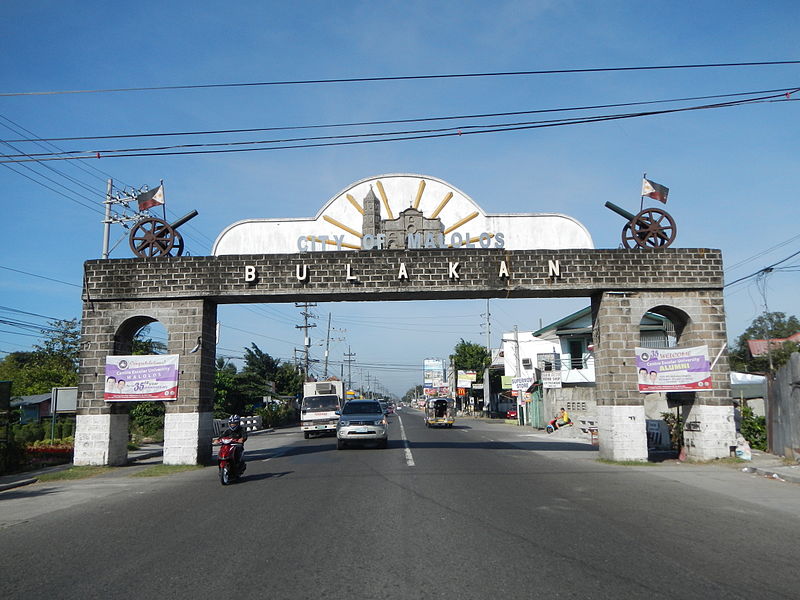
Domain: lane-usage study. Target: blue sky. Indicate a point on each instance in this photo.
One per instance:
(731, 172)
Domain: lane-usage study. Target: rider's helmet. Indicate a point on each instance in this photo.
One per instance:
(233, 421)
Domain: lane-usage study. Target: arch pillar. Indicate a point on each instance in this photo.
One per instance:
(700, 317)
(101, 434)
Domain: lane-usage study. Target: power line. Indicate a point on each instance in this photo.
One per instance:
(40, 276)
(405, 78)
(347, 140)
(764, 270)
(409, 120)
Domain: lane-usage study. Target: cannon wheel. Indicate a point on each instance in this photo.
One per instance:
(153, 237)
(651, 228)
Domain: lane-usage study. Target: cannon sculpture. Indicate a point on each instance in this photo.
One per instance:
(651, 228)
(152, 237)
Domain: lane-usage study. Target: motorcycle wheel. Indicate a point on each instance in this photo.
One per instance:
(224, 475)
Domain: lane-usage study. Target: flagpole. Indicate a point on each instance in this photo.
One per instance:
(163, 195)
(641, 198)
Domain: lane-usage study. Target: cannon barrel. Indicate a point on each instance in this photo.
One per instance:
(184, 219)
(620, 211)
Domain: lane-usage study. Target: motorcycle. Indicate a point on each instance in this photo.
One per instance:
(229, 459)
(553, 425)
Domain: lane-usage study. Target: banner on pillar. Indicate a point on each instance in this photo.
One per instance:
(152, 377)
(673, 369)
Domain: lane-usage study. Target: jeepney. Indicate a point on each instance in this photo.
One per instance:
(440, 412)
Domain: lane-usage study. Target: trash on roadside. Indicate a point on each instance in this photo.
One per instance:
(743, 449)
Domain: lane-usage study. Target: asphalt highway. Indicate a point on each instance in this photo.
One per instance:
(482, 510)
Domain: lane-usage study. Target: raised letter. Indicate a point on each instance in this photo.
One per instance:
(453, 270)
(323, 239)
(402, 273)
(301, 244)
(414, 241)
(301, 275)
(367, 242)
(456, 241)
(338, 239)
(350, 276)
(503, 269)
(499, 240)
(250, 274)
(485, 240)
(381, 240)
(554, 269)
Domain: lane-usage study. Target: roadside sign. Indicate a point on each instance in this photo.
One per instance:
(551, 379)
(521, 384)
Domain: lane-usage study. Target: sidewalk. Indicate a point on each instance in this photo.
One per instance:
(762, 463)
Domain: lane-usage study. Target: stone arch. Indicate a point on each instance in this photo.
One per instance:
(123, 339)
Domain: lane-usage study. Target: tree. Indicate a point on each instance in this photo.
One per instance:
(469, 356)
(415, 392)
(767, 326)
(53, 363)
(227, 395)
(145, 345)
(61, 338)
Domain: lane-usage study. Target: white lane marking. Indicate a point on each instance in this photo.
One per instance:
(409, 456)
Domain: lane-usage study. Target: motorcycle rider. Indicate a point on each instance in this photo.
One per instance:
(236, 431)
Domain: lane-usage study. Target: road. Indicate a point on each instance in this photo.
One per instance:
(483, 510)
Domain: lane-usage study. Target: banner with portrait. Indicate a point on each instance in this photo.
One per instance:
(146, 377)
(673, 369)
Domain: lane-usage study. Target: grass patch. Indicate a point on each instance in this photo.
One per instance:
(627, 463)
(160, 470)
(81, 472)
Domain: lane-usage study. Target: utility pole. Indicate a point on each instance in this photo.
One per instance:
(107, 218)
(487, 391)
(349, 357)
(121, 198)
(327, 345)
(305, 327)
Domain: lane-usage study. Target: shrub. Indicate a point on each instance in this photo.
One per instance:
(675, 425)
(754, 429)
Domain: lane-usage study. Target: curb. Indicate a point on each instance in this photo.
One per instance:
(776, 475)
(16, 484)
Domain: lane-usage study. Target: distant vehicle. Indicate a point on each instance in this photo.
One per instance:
(511, 413)
(362, 421)
(318, 410)
(440, 412)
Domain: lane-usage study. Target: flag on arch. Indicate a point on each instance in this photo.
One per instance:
(654, 190)
(151, 198)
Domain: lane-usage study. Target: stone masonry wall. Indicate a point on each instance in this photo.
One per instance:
(375, 274)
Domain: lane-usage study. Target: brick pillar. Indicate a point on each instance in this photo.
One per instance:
(188, 424)
(101, 434)
(699, 318)
(621, 423)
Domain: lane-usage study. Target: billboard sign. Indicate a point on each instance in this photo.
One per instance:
(551, 379)
(673, 369)
(433, 372)
(136, 378)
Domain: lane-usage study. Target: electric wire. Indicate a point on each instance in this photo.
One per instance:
(410, 120)
(354, 139)
(408, 78)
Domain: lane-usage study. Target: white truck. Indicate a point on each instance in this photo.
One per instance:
(321, 401)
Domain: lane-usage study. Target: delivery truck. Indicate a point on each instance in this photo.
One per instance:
(321, 401)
